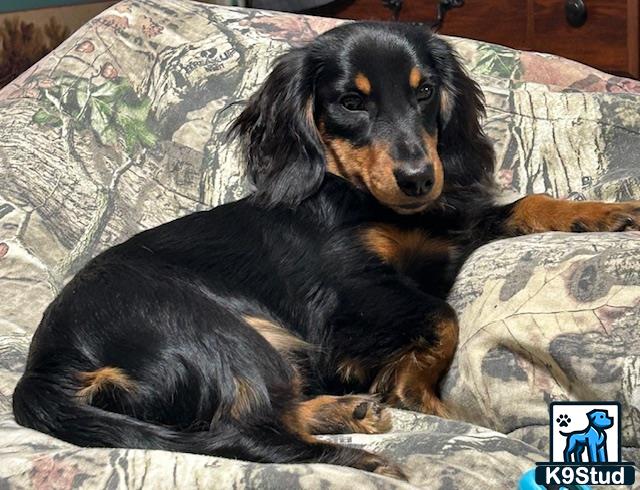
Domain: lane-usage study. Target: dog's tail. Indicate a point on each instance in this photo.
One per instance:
(47, 406)
(43, 405)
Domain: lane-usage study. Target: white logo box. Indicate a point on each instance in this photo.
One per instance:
(579, 421)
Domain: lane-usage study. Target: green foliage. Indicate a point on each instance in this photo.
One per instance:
(44, 117)
(497, 61)
(112, 110)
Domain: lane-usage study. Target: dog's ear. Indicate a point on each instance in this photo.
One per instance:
(281, 144)
(463, 146)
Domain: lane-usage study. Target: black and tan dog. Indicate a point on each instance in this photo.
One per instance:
(240, 331)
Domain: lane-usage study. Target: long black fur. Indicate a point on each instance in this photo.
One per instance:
(168, 306)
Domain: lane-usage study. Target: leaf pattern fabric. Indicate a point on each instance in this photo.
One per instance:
(121, 129)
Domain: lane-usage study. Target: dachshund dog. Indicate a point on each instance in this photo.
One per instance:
(243, 331)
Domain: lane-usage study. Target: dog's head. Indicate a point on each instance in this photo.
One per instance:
(386, 106)
(600, 419)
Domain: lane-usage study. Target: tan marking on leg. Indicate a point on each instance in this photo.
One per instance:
(280, 338)
(411, 379)
(362, 83)
(414, 77)
(539, 213)
(101, 379)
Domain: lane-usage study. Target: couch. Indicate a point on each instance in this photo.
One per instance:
(121, 129)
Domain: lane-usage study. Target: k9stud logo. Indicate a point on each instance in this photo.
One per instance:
(585, 440)
(585, 433)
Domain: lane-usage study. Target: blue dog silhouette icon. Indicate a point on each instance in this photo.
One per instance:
(593, 439)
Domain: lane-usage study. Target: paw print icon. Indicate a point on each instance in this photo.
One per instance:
(563, 420)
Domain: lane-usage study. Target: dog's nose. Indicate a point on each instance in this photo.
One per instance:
(414, 180)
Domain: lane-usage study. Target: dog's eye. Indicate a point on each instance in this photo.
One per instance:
(425, 92)
(352, 102)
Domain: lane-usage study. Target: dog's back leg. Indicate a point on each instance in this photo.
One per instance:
(174, 367)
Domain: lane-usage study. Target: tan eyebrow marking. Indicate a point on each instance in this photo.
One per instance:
(414, 77)
(363, 83)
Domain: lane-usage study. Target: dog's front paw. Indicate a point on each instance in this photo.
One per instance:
(601, 216)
